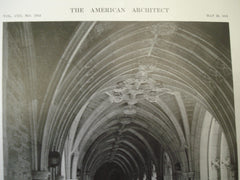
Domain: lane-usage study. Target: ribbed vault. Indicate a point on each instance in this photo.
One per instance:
(125, 95)
(181, 64)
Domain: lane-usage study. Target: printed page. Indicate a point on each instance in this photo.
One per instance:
(119, 90)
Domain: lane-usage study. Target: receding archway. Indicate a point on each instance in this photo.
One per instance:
(109, 171)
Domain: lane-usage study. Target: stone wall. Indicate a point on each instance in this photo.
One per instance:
(17, 139)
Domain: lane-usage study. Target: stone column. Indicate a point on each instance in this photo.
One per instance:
(40, 175)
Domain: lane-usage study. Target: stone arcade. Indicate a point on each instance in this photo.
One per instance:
(118, 101)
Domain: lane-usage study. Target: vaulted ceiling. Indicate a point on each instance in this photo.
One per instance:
(121, 92)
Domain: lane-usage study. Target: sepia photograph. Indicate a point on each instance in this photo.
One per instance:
(118, 100)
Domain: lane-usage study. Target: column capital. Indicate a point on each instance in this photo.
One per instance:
(40, 175)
